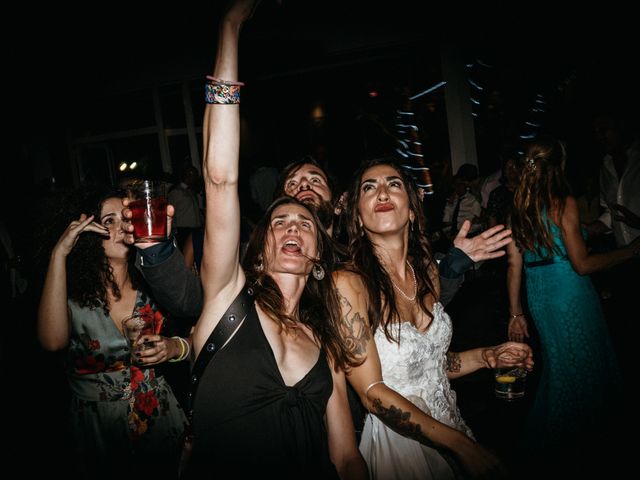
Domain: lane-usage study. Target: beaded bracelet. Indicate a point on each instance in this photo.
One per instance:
(222, 93)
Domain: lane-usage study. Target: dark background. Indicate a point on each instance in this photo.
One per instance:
(61, 59)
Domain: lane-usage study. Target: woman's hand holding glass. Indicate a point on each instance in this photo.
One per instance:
(163, 349)
(509, 354)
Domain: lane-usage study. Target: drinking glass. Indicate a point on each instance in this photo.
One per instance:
(148, 210)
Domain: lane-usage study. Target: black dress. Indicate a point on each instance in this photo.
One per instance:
(247, 421)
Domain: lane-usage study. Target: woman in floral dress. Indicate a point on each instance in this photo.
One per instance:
(124, 416)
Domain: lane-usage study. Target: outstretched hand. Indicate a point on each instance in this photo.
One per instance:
(484, 246)
(70, 236)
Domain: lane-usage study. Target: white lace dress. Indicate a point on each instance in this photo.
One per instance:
(416, 369)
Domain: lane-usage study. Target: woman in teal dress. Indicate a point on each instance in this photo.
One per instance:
(125, 418)
(580, 384)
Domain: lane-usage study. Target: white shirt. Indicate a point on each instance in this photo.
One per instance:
(624, 191)
(490, 183)
(470, 208)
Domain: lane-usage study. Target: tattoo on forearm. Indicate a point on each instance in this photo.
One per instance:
(400, 421)
(453, 363)
(356, 332)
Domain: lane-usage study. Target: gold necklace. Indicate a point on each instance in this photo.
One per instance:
(415, 285)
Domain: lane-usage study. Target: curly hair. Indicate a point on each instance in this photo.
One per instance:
(384, 313)
(319, 307)
(89, 274)
(543, 187)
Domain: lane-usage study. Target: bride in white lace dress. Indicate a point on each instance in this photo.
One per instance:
(401, 335)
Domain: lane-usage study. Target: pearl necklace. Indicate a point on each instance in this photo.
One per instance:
(415, 285)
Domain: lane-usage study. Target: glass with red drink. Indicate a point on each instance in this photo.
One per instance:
(148, 211)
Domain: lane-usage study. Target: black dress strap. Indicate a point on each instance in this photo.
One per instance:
(226, 327)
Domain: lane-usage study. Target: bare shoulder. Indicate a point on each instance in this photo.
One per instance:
(348, 280)
(352, 292)
(570, 214)
(570, 203)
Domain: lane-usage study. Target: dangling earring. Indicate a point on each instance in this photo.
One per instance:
(411, 222)
(317, 271)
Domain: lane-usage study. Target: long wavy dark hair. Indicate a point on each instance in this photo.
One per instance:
(384, 313)
(543, 188)
(319, 307)
(89, 275)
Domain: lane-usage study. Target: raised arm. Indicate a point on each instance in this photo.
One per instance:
(162, 265)
(53, 313)
(220, 266)
(221, 274)
(484, 246)
(171, 280)
(389, 406)
(465, 252)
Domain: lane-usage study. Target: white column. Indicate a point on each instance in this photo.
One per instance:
(462, 137)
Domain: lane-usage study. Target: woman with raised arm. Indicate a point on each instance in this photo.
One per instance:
(400, 334)
(124, 415)
(580, 384)
(273, 399)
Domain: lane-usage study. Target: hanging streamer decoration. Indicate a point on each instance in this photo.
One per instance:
(409, 144)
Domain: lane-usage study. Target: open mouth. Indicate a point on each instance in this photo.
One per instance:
(307, 197)
(291, 246)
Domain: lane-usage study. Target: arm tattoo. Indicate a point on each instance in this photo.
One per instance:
(356, 332)
(453, 363)
(400, 422)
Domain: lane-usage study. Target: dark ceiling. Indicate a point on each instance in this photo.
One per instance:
(64, 54)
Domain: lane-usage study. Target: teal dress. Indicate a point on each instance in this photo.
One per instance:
(579, 386)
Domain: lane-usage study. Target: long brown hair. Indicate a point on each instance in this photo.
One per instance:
(319, 307)
(367, 264)
(543, 187)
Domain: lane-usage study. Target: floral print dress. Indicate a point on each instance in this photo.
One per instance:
(118, 411)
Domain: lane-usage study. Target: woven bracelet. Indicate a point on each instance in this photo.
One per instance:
(221, 93)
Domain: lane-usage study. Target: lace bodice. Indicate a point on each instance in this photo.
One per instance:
(415, 368)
